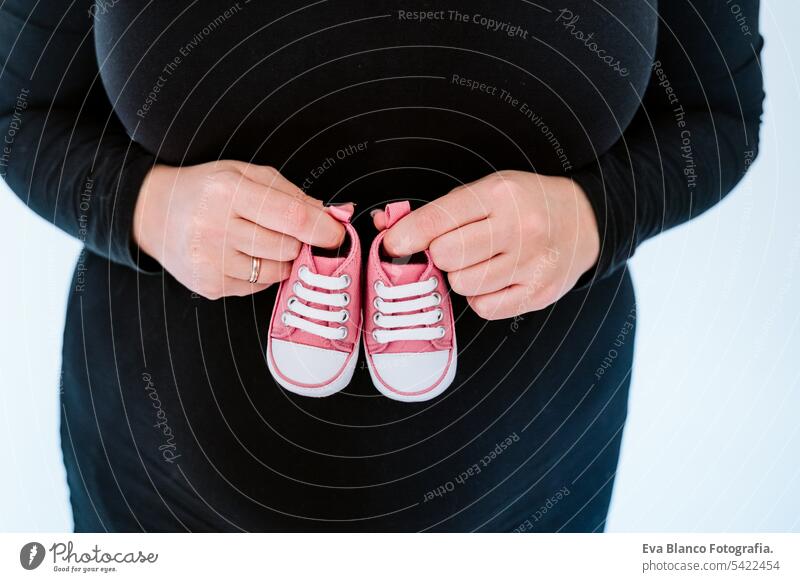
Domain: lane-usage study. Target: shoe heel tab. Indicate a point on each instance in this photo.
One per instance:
(341, 212)
(395, 211)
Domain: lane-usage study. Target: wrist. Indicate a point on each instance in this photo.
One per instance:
(148, 214)
(588, 230)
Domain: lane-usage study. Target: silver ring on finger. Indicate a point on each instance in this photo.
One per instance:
(255, 269)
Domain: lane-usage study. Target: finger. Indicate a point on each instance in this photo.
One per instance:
(515, 300)
(232, 287)
(502, 304)
(378, 219)
(240, 266)
(275, 210)
(469, 245)
(414, 232)
(487, 277)
(257, 241)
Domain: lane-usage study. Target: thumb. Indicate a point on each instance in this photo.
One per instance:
(269, 176)
(415, 232)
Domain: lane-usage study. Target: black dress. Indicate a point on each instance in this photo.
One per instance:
(170, 419)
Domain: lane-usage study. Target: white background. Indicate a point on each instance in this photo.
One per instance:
(713, 439)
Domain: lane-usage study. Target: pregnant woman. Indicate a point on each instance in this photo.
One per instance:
(180, 140)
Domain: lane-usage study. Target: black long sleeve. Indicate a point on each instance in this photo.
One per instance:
(65, 154)
(695, 134)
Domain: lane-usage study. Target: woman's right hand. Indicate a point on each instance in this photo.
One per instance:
(204, 224)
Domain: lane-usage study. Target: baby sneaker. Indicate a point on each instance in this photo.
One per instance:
(314, 334)
(409, 338)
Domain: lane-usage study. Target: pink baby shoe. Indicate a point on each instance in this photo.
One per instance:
(314, 333)
(409, 338)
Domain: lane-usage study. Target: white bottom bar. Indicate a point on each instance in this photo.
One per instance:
(402, 557)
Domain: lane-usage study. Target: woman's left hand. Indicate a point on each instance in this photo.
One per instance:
(511, 242)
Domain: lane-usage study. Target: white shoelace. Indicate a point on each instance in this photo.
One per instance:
(395, 319)
(328, 298)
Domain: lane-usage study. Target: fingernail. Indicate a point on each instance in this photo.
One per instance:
(373, 212)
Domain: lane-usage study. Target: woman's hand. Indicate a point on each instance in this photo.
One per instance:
(511, 242)
(205, 223)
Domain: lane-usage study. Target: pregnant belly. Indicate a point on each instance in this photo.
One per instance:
(377, 97)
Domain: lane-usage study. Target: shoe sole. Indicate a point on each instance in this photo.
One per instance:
(336, 385)
(430, 395)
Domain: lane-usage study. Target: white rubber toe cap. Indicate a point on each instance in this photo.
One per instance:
(415, 376)
(303, 364)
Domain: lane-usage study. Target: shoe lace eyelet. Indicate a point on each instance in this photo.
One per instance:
(284, 317)
(295, 286)
(435, 282)
(347, 280)
(438, 298)
(342, 332)
(442, 332)
(345, 315)
(378, 285)
(376, 319)
(376, 303)
(291, 301)
(439, 315)
(375, 336)
(346, 298)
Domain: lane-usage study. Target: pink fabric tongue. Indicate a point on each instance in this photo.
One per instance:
(327, 265)
(400, 274)
(395, 211)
